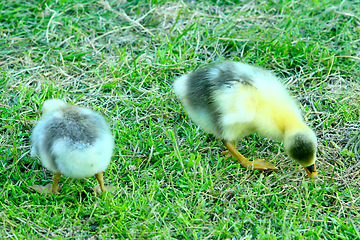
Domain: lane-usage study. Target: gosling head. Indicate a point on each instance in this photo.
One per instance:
(51, 105)
(301, 146)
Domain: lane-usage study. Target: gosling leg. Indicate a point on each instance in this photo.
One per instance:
(100, 178)
(256, 164)
(55, 183)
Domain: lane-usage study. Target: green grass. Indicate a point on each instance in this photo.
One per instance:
(171, 178)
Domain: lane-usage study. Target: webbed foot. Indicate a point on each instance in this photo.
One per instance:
(97, 189)
(262, 165)
(256, 164)
(46, 190)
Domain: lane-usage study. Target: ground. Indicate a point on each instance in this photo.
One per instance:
(120, 58)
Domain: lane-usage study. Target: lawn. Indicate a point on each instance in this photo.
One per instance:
(121, 58)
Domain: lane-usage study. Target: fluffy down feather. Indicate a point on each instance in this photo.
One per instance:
(232, 100)
(71, 140)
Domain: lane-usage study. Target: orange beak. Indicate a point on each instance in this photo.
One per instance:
(311, 171)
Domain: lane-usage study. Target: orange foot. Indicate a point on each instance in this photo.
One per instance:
(46, 190)
(262, 165)
(256, 164)
(98, 192)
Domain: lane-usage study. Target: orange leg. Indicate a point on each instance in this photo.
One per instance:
(49, 189)
(55, 183)
(100, 177)
(256, 164)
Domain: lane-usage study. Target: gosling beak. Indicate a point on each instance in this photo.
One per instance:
(311, 171)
